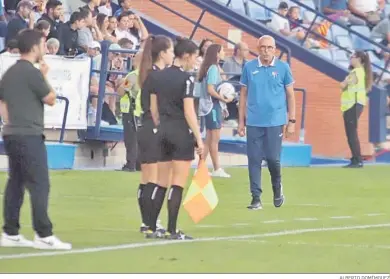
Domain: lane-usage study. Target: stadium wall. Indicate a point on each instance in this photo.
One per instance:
(324, 123)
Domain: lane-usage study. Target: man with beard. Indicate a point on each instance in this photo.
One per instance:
(22, 105)
(52, 15)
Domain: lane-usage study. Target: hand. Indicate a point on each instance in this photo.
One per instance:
(290, 129)
(241, 129)
(43, 67)
(31, 17)
(347, 12)
(227, 100)
(199, 148)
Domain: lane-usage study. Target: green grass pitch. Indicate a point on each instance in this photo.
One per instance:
(334, 220)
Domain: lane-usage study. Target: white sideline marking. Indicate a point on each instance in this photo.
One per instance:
(273, 221)
(306, 219)
(170, 242)
(341, 217)
(374, 214)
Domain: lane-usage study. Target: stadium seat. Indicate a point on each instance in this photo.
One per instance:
(340, 55)
(344, 41)
(326, 53)
(376, 62)
(338, 31)
(358, 42)
(238, 6)
(257, 12)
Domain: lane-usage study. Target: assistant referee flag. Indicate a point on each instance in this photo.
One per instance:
(201, 198)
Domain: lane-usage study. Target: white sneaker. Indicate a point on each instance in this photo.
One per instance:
(159, 225)
(220, 173)
(15, 241)
(50, 243)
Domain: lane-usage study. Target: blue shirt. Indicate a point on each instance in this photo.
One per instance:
(335, 4)
(266, 97)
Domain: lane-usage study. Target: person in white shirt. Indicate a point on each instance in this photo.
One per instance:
(105, 8)
(279, 21)
(366, 9)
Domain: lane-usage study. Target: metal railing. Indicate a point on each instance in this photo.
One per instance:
(65, 117)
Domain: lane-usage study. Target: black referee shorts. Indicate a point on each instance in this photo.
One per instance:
(148, 143)
(176, 141)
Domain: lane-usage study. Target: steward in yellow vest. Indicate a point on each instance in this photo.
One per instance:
(353, 99)
(130, 108)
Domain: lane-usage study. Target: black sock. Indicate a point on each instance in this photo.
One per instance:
(140, 201)
(158, 196)
(147, 202)
(174, 201)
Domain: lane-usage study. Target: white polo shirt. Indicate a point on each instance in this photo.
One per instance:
(366, 6)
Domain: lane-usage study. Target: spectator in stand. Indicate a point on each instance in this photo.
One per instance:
(330, 7)
(93, 6)
(19, 21)
(112, 25)
(279, 22)
(103, 23)
(39, 9)
(125, 7)
(235, 63)
(11, 47)
(126, 44)
(204, 44)
(53, 13)
(105, 8)
(368, 10)
(94, 49)
(89, 33)
(381, 34)
(44, 27)
(52, 46)
(69, 34)
(137, 30)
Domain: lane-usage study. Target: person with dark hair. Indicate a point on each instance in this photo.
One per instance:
(69, 36)
(24, 142)
(11, 47)
(103, 23)
(353, 99)
(18, 22)
(90, 32)
(172, 107)
(53, 13)
(130, 26)
(93, 7)
(157, 54)
(204, 44)
(210, 104)
(125, 6)
(43, 26)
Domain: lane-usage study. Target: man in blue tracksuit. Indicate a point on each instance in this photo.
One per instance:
(266, 81)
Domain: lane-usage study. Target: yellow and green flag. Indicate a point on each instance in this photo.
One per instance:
(201, 198)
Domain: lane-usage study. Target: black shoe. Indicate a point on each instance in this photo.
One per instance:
(179, 235)
(354, 165)
(127, 168)
(255, 204)
(143, 229)
(279, 197)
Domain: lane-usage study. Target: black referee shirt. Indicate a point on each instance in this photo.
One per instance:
(146, 90)
(172, 85)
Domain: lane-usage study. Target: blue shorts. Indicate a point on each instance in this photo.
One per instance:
(213, 120)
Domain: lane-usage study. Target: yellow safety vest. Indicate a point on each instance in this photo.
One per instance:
(355, 93)
(125, 99)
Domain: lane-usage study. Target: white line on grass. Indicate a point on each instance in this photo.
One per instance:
(341, 217)
(273, 221)
(374, 214)
(306, 219)
(171, 242)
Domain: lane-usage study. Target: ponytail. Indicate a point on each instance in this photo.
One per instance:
(154, 45)
(368, 72)
(146, 61)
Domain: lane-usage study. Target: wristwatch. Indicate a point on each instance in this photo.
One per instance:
(292, 121)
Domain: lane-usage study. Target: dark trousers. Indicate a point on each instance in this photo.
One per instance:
(351, 118)
(130, 137)
(28, 168)
(264, 142)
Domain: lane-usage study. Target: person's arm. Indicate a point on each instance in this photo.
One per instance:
(142, 28)
(82, 39)
(288, 82)
(126, 85)
(244, 81)
(190, 114)
(212, 80)
(3, 112)
(41, 86)
(351, 7)
(98, 36)
(326, 9)
(154, 109)
(31, 20)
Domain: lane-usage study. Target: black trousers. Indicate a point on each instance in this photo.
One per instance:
(28, 168)
(351, 118)
(130, 137)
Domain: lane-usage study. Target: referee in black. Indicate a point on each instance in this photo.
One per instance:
(23, 92)
(173, 101)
